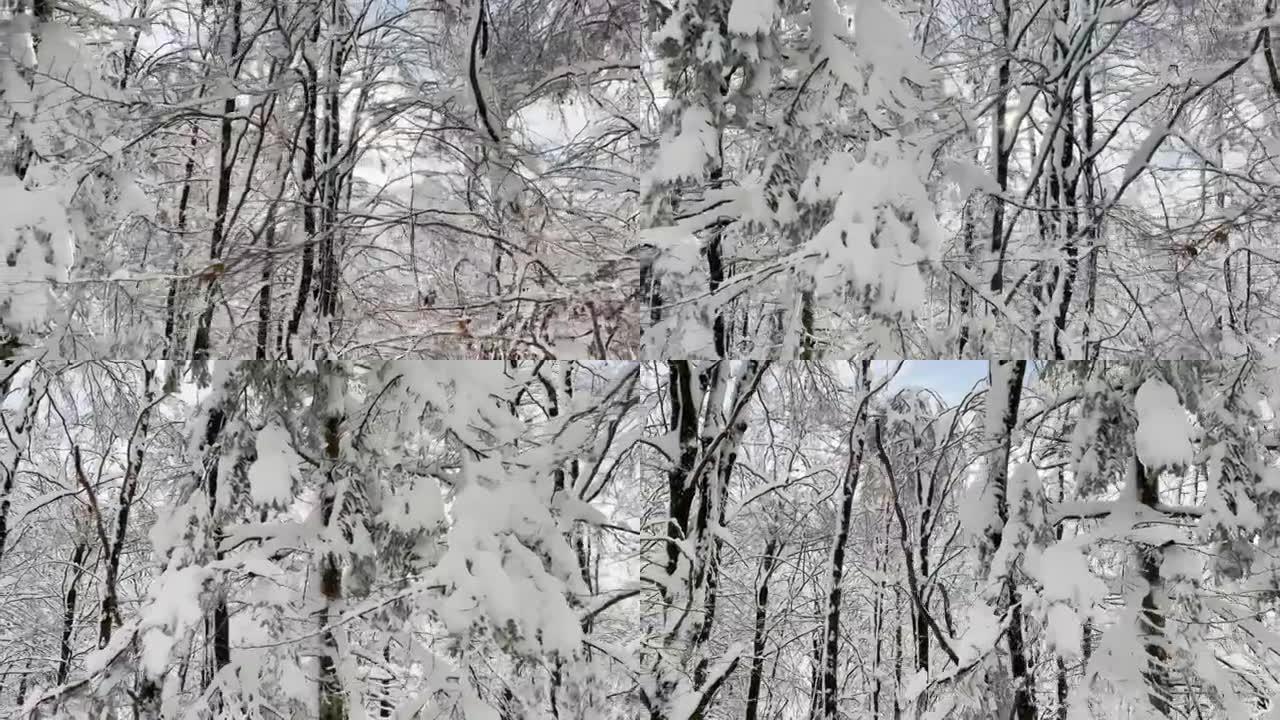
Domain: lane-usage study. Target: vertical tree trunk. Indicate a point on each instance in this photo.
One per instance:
(220, 620)
(924, 532)
(771, 548)
(172, 332)
(1087, 169)
(226, 161)
(1067, 169)
(311, 91)
(707, 435)
(9, 470)
(69, 611)
(897, 653)
(327, 295)
(878, 623)
(831, 627)
(965, 301)
(332, 702)
(1059, 665)
(128, 494)
(999, 153)
(1005, 396)
(1160, 685)
(263, 338)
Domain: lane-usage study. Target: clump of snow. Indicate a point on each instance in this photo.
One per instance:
(1182, 564)
(1024, 492)
(915, 685)
(981, 631)
(751, 17)
(1063, 573)
(1164, 433)
(1064, 629)
(1069, 587)
(978, 504)
(685, 155)
(174, 607)
(1142, 156)
(884, 45)
(419, 505)
(969, 177)
(272, 474)
(494, 574)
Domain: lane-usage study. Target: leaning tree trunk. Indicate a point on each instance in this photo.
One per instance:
(69, 610)
(831, 626)
(128, 495)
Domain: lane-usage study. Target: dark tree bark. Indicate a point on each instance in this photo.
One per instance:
(831, 627)
(226, 162)
(128, 494)
(171, 323)
(897, 653)
(69, 611)
(1160, 685)
(771, 548)
(311, 92)
(1011, 373)
(878, 623)
(1064, 180)
(999, 151)
(332, 703)
(707, 434)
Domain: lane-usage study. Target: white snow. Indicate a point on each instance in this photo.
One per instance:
(749, 17)
(174, 607)
(272, 474)
(914, 685)
(686, 154)
(1064, 630)
(981, 630)
(1164, 433)
(1143, 154)
(413, 505)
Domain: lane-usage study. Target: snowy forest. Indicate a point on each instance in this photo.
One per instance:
(679, 540)
(1065, 179)
(303, 178)
(573, 179)
(639, 360)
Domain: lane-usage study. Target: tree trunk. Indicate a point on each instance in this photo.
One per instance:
(1066, 169)
(878, 624)
(311, 91)
(69, 611)
(831, 628)
(897, 653)
(758, 639)
(999, 153)
(707, 435)
(327, 292)
(1160, 690)
(226, 161)
(332, 702)
(1006, 389)
(172, 333)
(128, 494)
